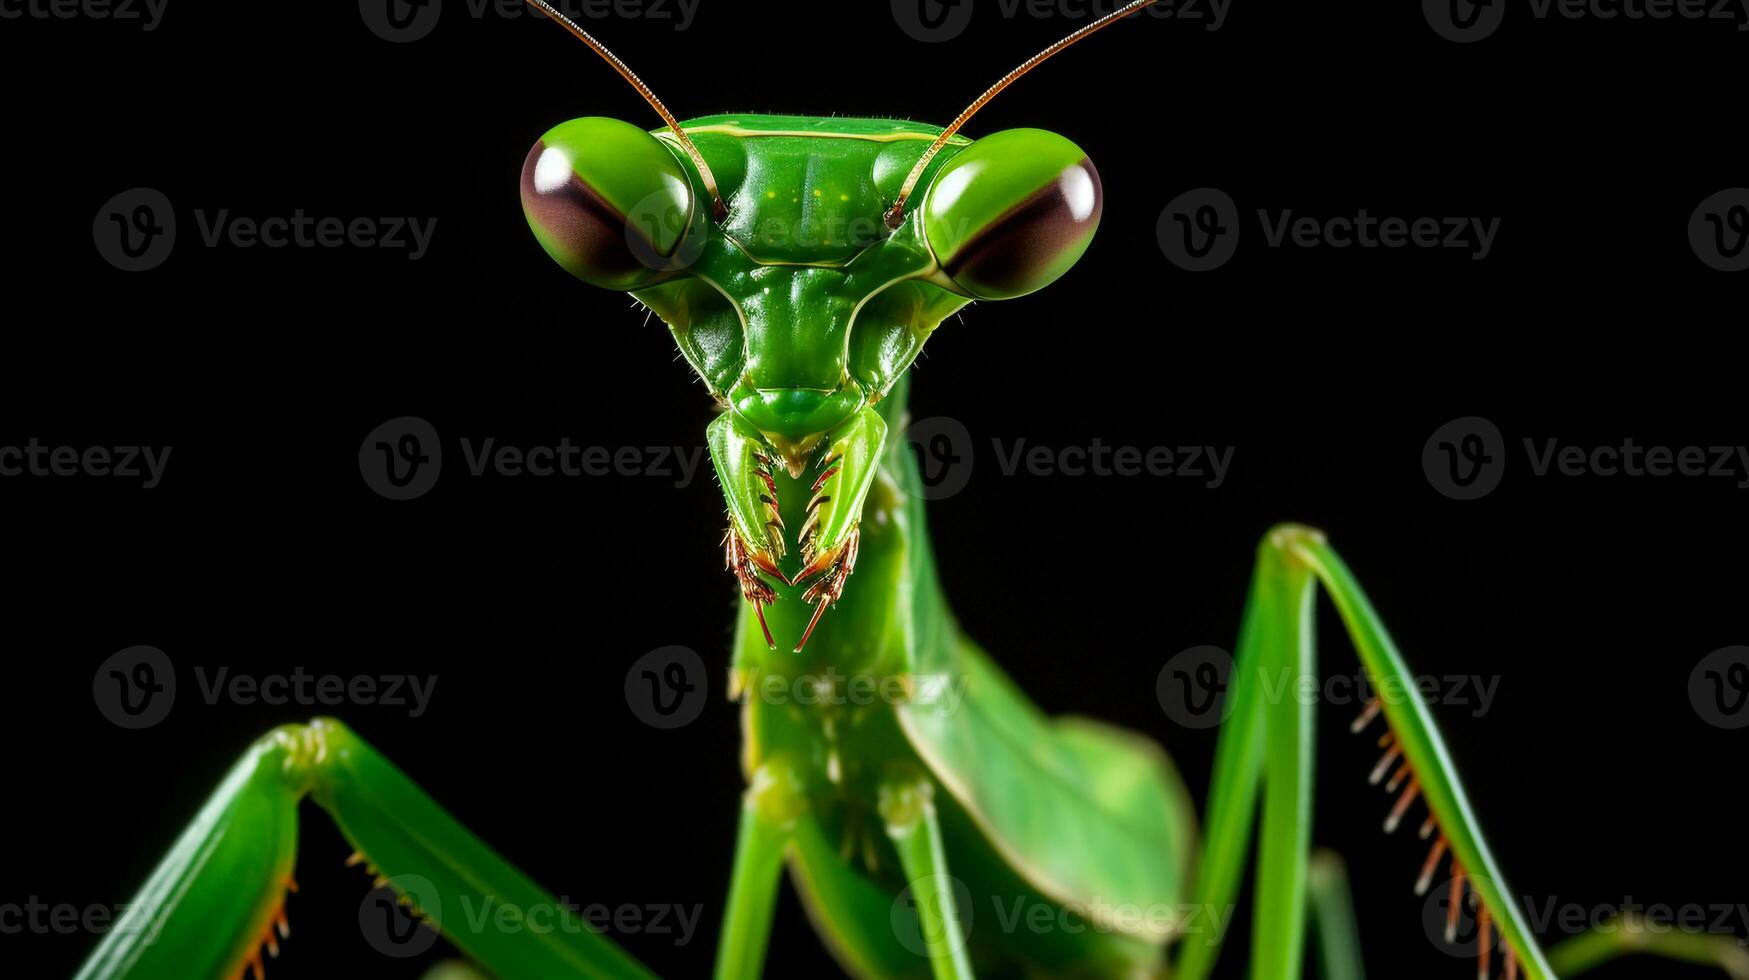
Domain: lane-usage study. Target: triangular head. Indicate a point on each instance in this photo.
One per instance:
(801, 307)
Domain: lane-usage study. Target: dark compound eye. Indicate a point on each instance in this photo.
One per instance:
(608, 202)
(1012, 212)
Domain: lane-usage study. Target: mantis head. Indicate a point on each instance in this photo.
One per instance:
(801, 264)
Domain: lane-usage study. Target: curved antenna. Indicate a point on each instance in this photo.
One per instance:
(718, 209)
(896, 213)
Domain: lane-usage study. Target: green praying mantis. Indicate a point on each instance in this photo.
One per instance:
(801, 265)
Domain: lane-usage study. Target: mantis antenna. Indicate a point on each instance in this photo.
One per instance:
(718, 209)
(897, 211)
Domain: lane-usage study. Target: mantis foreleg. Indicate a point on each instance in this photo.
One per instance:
(1267, 741)
(218, 895)
(1266, 746)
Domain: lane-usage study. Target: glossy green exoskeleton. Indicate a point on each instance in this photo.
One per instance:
(801, 309)
(800, 276)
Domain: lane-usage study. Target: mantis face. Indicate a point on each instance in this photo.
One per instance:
(808, 293)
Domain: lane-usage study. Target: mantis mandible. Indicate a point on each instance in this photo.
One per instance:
(801, 265)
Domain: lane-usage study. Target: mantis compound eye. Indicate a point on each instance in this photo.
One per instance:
(609, 202)
(1011, 213)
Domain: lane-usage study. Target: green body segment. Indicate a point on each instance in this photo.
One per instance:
(801, 305)
(1035, 812)
(213, 899)
(217, 896)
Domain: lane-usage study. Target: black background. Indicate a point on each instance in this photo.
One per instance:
(1590, 599)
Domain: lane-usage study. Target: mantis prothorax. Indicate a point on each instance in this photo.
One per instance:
(801, 265)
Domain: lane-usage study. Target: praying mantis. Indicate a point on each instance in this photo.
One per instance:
(801, 265)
